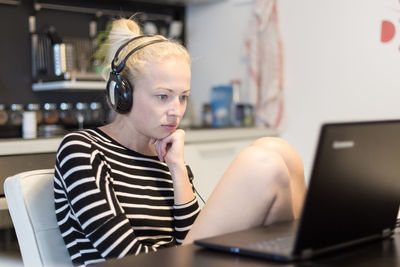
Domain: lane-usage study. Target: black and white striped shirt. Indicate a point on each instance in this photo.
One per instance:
(111, 201)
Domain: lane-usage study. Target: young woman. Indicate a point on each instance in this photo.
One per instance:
(124, 188)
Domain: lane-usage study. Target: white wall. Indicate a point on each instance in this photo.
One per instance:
(215, 32)
(336, 68)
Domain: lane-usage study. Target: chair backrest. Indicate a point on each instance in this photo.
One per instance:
(30, 200)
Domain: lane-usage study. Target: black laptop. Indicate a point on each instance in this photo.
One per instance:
(353, 196)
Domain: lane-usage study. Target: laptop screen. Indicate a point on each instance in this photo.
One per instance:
(355, 184)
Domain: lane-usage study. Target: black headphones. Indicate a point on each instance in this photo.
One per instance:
(119, 90)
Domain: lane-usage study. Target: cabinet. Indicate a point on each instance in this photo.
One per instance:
(208, 162)
(210, 152)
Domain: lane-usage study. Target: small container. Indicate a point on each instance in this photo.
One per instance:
(96, 113)
(3, 115)
(29, 124)
(36, 108)
(50, 114)
(15, 118)
(248, 115)
(238, 114)
(82, 114)
(66, 114)
(207, 117)
(221, 105)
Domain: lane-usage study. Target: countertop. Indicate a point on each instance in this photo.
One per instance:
(45, 145)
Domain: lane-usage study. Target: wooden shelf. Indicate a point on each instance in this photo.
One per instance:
(69, 85)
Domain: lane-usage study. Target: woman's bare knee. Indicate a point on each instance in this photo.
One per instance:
(270, 167)
(290, 155)
(294, 164)
(256, 166)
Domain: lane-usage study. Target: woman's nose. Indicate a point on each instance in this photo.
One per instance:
(176, 108)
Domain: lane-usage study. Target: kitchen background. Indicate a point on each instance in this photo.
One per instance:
(336, 67)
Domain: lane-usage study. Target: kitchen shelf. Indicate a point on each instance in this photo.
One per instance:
(10, 2)
(69, 85)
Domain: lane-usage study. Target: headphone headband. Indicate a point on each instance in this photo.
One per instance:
(121, 65)
(119, 90)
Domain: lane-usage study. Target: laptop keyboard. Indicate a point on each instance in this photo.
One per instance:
(281, 244)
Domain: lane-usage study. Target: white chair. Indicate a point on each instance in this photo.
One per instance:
(30, 202)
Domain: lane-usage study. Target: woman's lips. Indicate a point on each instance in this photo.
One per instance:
(169, 127)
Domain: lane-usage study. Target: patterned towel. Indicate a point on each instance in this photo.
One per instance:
(265, 64)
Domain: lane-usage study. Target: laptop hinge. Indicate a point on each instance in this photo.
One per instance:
(306, 253)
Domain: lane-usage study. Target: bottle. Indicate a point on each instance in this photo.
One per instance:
(29, 124)
(207, 116)
(36, 108)
(248, 116)
(237, 107)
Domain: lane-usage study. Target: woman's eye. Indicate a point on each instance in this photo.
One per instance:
(162, 97)
(184, 97)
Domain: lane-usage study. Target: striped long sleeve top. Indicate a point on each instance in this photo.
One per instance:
(111, 201)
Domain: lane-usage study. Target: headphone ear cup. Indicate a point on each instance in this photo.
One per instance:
(119, 93)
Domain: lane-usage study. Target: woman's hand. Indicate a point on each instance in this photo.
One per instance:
(170, 148)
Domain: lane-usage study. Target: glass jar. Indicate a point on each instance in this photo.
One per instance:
(66, 114)
(96, 113)
(3, 115)
(15, 118)
(82, 114)
(207, 115)
(50, 114)
(248, 115)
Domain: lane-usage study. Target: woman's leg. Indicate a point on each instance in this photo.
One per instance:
(294, 164)
(264, 184)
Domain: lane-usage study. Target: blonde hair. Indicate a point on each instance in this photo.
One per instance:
(122, 31)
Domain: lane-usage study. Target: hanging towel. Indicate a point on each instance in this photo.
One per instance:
(265, 64)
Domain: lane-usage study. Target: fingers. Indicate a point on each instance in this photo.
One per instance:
(159, 150)
(170, 148)
(162, 147)
(158, 145)
(163, 151)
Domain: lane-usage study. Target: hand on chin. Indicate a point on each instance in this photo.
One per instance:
(170, 147)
